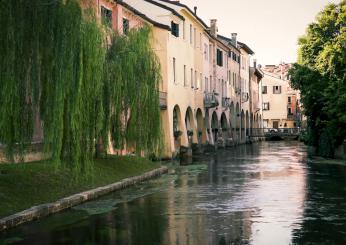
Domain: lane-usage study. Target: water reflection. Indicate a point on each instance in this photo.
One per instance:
(257, 194)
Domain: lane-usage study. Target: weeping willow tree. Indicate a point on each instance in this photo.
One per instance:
(132, 76)
(54, 63)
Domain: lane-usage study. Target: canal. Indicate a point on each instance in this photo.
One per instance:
(264, 193)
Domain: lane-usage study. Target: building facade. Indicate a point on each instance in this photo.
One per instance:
(281, 103)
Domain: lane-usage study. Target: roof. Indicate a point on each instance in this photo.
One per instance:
(228, 40)
(257, 72)
(177, 3)
(143, 16)
(174, 12)
(246, 48)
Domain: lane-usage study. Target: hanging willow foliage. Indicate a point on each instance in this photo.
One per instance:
(54, 62)
(132, 76)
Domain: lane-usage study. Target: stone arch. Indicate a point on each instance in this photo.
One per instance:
(242, 126)
(214, 126)
(247, 123)
(178, 128)
(201, 130)
(237, 123)
(190, 126)
(224, 123)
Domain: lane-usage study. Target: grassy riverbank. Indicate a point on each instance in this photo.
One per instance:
(30, 184)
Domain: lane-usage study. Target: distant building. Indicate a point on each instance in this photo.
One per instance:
(280, 102)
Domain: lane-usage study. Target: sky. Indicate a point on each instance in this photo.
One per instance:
(271, 28)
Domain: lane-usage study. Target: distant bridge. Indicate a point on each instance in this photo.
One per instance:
(275, 133)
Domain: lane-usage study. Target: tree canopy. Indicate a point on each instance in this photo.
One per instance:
(320, 75)
(55, 62)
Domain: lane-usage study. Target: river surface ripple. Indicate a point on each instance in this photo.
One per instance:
(265, 193)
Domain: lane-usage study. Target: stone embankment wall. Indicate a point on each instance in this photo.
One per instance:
(44, 210)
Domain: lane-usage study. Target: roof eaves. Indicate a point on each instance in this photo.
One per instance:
(167, 8)
(246, 48)
(188, 9)
(227, 39)
(143, 16)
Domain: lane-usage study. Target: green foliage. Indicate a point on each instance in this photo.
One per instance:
(54, 62)
(25, 185)
(320, 75)
(132, 76)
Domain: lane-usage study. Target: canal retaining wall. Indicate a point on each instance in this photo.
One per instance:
(44, 210)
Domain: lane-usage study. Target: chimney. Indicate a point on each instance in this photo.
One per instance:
(234, 39)
(195, 9)
(213, 27)
(255, 63)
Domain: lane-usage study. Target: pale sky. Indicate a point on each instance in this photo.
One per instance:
(269, 27)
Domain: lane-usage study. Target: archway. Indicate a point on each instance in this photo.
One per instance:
(242, 126)
(214, 126)
(237, 123)
(189, 125)
(247, 123)
(201, 131)
(177, 127)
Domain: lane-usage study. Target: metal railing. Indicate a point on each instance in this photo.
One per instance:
(210, 100)
(226, 102)
(269, 132)
(291, 116)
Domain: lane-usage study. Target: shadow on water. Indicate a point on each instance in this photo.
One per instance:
(262, 193)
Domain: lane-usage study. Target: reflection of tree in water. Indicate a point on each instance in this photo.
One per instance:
(325, 208)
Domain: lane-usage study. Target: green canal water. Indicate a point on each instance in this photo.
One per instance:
(264, 193)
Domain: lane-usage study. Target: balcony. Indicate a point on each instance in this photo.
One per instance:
(291, 117)
(226, 102)
(163, 100)
(244, 97)
(237, 91)
(210, 100)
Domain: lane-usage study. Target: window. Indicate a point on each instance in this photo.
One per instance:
(206, 51)
(276, 89)
(289, 100)
(191, 78)
(196, 80)
(289, 111)
(126, 26)
(264, 90)
(175, 29)
(174, 73)
(211, 84)
(194, 37)
(200, 84)
(210, 52)
(266, 106)
(190, 34)
(219, 57)
(106, 16)
(185, 82)
(206, 84)
(200, 41)
(184, 30)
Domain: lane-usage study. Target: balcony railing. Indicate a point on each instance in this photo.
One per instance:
(163, 100)
(244, 96)
(226, 102)
(211, 100)
(291, 116)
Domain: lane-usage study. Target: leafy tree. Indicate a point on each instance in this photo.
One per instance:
(54, 63)
(320, 75)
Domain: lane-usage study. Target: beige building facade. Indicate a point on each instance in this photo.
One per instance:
(281, 103)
